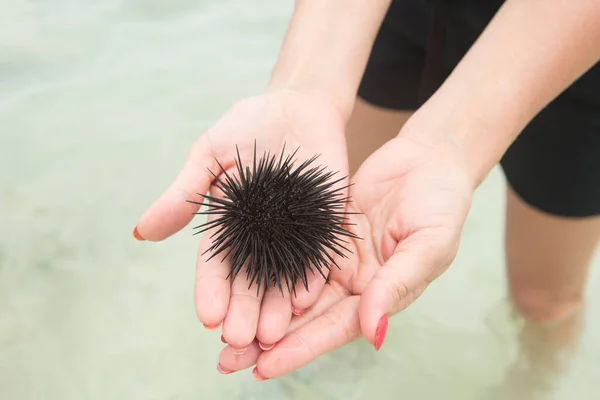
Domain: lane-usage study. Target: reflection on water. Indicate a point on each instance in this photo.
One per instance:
(543, 355)
(99, 102)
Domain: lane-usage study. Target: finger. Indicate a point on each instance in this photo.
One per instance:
(330, 296)
(336, 327)
(303, 299)
(275, 316)
(212, 289)
(172, 211)
(241, 321)
(230, 361)
(403, 277)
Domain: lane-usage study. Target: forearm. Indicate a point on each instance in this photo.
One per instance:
(326, 48)
(530, 52)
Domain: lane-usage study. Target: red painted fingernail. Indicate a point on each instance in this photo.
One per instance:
(237, 352)
(265, 347)
(297, 311)
(222, 370)
(212, 328)
(380, 332)
(223, 339)
(257, 375)
(136, 234)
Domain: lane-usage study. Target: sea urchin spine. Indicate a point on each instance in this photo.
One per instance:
(277, 220)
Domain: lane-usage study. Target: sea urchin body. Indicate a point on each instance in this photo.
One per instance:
(278, 221)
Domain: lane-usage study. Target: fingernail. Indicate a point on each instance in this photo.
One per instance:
(212, 327)
(136, 234)
(237, 352)
(297, 311)
(380, 332)
(223, 339)
(266, 347)
(257, 375)
(222, 370)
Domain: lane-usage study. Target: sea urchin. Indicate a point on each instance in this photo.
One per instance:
(277, 220)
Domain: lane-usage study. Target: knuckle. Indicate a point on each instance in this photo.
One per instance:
(396, 292)
(338, 321)
(400, 294)
(245, 297)
(305, 345)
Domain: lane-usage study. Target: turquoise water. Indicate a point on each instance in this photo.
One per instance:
(99, 102)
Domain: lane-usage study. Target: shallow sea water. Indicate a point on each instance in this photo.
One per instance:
(99, 102)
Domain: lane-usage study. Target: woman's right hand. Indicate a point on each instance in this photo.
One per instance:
(272, 119)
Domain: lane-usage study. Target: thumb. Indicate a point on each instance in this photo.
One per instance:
(172, 210)
(398, 283)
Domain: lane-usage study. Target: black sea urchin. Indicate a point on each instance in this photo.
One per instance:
(277, 220)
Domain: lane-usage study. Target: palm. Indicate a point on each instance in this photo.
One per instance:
(398, 202)
(271, 121)
(274, 120)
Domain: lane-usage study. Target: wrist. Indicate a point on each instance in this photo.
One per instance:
(340, 99)
(470, 143)
(514, 69)
(325, 49)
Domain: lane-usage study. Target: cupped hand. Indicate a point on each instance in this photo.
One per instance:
(414, 200)
(271, 121)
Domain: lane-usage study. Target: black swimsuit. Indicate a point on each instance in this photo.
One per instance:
(554, 165)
